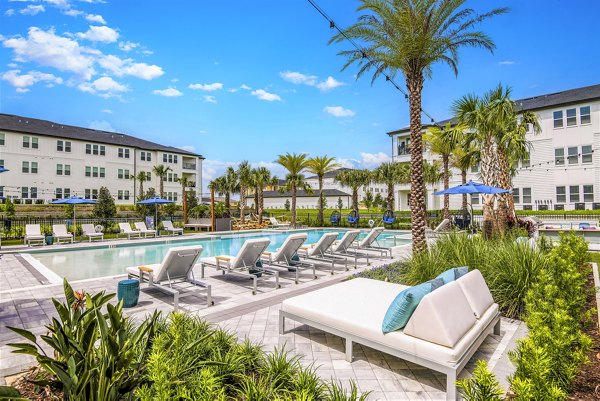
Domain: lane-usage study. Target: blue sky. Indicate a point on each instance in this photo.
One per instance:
(237, 80)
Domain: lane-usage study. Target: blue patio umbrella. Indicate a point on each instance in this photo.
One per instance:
(2, 169)
(73, 200)
(472, 188)
(156, 200)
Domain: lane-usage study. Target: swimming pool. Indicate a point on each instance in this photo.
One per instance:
(78, 264)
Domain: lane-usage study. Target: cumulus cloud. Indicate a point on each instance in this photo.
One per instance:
(10, 12)
(366, 161)
(507, 62)
(298, 78)
(22, 81)
(95, 18)
(189, 148)
(50, 50)
(128, 46)
(245, 87)
(121, 67)
(210, 99)
(32, 10)
(103, 34)
(329, 83)
(264, 95)
(107, 111)
(101, 125)
(105, 87)
(169, 92)
(338, 111)
(207, 87)
(72, 12)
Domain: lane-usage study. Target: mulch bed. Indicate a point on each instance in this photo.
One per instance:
(33, 392)
(587, 385)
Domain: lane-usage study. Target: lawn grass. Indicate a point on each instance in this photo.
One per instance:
(594, 257)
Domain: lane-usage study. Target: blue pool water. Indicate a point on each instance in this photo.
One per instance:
(78, 264)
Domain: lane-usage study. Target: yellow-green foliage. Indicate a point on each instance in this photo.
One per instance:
(482, 386)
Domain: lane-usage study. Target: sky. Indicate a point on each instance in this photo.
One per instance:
(241, 80)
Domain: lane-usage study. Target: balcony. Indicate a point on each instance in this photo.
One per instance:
(189, 166)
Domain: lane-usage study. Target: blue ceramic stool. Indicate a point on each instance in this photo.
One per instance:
(129, 292)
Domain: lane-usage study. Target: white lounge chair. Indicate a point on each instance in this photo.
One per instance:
(168, 227)
(33, 233)
(88, 230)
(244, 263)
(276, 224)
(126, 229)
(347, 247)
(371, 238)
(59, 232)
(440, 229)
(321, 251)
(283, 256)
(142, 228)
(176, 268)
(444, 332)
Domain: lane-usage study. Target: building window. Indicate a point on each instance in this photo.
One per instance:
(58, 193)
(24, 192)
(34, 167)
(123, 174)
(30, 142)
(63, 146)
(63, 169)
(586, 154)
(573, 155)
(91, 194)
(2, 139)
(559, 157)
(91, 149)
(102, 172)
(164, 157)
(59, 169)
(585, 116)
(33, 192)
(571, 117)
(175, 159)
(574, 193)
(516, 195)
(88, 171)
(120, 194)
(526, 162)
(588, 193)
(474, 199)
(561, 195)
(25, 167)
(126, 194)
(67, 169)
(26, 141)
(146, 156)
(558, 119)
(1, 163)
(2, 190)
(148, 176)
(526, 195)
(124, 153)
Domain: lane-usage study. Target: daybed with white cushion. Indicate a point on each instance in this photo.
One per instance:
(446, 329)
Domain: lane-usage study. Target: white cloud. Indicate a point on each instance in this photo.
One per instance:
(105, 87)
(207, 87)
(21, 82)
(367, 160)
(245, 87)
(72, 12)
(95, 18)
(32, 10)
(100, 34)
(189, 148)
(210, 99)
(329, 83)
(107, 111)
(203, 132)
(128, 46)
(507, 62)
(50, 50)
(264, 95)
(298, 78)
(338, 111)
(146, 52)
(101, 125)
(169, 92)
(121, 67)
(175, 80)
(10, 12)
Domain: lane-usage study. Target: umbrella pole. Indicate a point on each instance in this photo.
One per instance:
(74, 225)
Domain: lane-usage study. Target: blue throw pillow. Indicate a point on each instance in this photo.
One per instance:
(405, 303)
(453, 274)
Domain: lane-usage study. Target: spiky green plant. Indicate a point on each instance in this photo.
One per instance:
(483, 386)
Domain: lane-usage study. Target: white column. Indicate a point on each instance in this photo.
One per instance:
(199, 178)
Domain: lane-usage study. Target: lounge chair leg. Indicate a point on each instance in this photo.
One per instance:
(254, 285)
(209, 300)
(497, 328)
(451, 387)
(281, 323)
(175, 302)
(349, 350)
(201, 270)
(297, 273)
(277, 285)
(314, 273)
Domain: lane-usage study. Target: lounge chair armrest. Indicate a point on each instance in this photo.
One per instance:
(267, 253)
(223, 258)
(145, 269)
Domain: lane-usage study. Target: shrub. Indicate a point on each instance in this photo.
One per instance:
(482, 386)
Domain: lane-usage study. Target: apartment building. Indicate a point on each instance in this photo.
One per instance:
(49, 161)
(563, 168)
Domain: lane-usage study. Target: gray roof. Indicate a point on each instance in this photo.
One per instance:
(302, 194)
(9, 122)
(330, 174)
(567, 97)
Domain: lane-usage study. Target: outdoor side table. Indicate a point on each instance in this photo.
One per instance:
(129, 292)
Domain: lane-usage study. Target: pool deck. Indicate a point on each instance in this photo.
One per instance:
(25, 301)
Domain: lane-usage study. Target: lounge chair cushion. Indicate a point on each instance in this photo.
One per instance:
(443, 317)
(476, 291)
(453, 274)
(405, 303)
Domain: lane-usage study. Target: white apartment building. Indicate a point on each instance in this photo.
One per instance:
(563, 170)
(49, 161)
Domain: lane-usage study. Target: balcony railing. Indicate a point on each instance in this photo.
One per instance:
(189, 166)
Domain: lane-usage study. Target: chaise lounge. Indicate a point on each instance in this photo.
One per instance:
(286, 256)
(445, 330)
(33, 233)
(59, 232)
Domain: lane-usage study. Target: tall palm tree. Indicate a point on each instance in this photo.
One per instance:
(354, 179)
(244, 175)
(161, 172)
(295, 164)
(319, 166)
(411, 36)
(185, 183)
(464, 157)
(230, 186)
(141, 177)
(390, 174)
(444, 141)
(261, 178)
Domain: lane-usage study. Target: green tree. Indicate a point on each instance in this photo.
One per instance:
(141, 177)
(185, 183)
(161, 173)
(411, 37)
(244, 175)
(340, 204)
(354, 179)
(464, 157)
(321, 165)
(368, 200)
(286, 205)
(379, 202)
(261, 178)
(390, 174)
(105, 208)
(231, 187)
(295, 164)
(145, 210)
(9, 208)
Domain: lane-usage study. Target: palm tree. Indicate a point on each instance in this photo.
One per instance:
(354, 179)
(244, 175)
(390, 174)
(140, 177)
(185, 183)
(444, 141)
(161, 172)
(321, 165)
(411, 36)
(464, 157)
(295, 164)
(261, 178)
(230, 186)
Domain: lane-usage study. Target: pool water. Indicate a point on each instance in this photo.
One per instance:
(78, 264)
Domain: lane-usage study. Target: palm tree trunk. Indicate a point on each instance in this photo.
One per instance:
(463, 176)
(256, 200)
(293, 205)
(185, 219)
(414, 82)
(242, 203)
(488, 175)
(260, 205)
(320, 200)
(141, 188)
(504, 182)
(445, 162)
(390, 196)
(227, 205)
(355, 199)
(161, 187)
